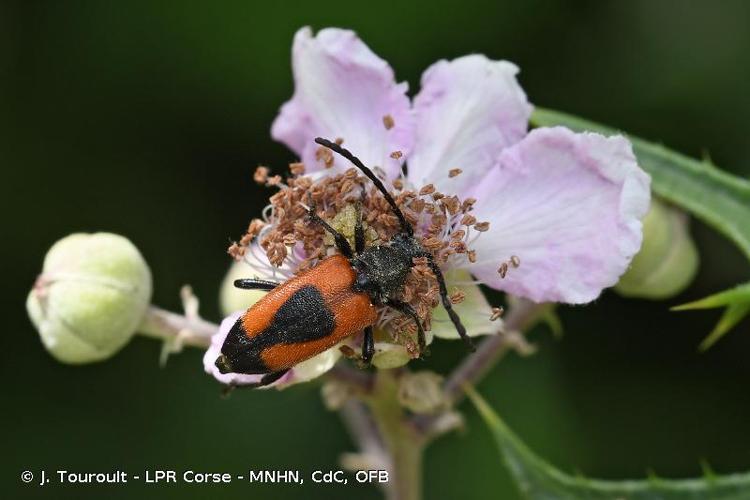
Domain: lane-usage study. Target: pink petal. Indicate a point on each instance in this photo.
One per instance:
(570, 207)
(467, 112)
(342, 89)
(214, 350)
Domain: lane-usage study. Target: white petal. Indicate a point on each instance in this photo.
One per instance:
(310, 369)
(214, 350)
(570, 207)
(342, 89)
(254, 264)
(474, 311)
(467, 112)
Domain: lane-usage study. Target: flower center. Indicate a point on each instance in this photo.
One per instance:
(286, 244)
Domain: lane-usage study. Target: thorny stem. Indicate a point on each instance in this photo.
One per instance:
(386, 436)
(520, 317)
(404, 444)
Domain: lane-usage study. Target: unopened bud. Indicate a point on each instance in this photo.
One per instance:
(389, 356)
(422, 392)
(668, 259)
(91, 296)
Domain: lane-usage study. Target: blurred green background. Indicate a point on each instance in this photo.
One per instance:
(147, 119)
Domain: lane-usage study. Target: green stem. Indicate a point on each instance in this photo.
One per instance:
(165, 325)
(403, 443)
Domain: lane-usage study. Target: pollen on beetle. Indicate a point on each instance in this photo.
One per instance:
(285, 242)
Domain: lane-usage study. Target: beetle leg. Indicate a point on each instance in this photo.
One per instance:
(255, 284)
(368, 346)
(341, 242)
(447, 303)
(407, 309)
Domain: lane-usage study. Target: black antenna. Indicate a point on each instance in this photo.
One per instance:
(405, 226)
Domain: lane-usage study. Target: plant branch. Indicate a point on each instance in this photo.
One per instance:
(162, 324)
(521, 316)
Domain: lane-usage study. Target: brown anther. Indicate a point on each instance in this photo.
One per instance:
(339, 141)
(398, 184)
(432, 243)
(472, 256)
(289, 240)
(458, 246)
(428, 189)
(397, 155)
(468, 220)
(297, 168)
(419, 261)
(457, 296)
(437, 195)
(454, 172)
(468, 204)
(253, 229)
(325, 155)
(236, 251)
(388, 122)
(261, 174)
(451, 204)
(496, 313)
(303, 183)
(273, 181)
(482, 226)
(503, 270)
(515, 261)
(439, 219)
(458, 234)
(417, 205)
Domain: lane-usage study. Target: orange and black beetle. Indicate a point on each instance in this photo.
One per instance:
(318, 308)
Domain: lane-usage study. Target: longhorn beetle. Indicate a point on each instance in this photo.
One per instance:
(337, 298)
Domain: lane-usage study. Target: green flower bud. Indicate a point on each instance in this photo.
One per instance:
(388, 356)
(91, 296)
(668, 259)
(422, 392)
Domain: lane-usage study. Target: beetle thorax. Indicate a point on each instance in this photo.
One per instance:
(382, 270)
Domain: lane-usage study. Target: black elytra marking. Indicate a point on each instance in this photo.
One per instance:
(302, 318)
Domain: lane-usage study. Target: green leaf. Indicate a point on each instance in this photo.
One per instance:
(737, 302)
(716, 197)
(538, 480)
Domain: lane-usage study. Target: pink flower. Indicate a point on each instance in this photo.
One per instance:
(568, 205)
